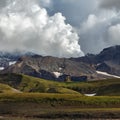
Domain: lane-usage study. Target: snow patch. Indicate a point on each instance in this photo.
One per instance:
(105, 73)
(12, 63)
(2, 68)
(90, 95)
(57, 74)
(60, 68)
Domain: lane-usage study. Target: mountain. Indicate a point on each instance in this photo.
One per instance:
(52, 68)
(110, 54)
(107, 60)
(106, 64)
(9, 58)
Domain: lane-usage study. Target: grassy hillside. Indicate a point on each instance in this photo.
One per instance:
(26, 83)
(101, 87)
(7, 89)
(57, 100)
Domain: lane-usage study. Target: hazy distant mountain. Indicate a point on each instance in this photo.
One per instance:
(7, 58)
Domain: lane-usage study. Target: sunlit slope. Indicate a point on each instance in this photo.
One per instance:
(7, 89)
(26, 83)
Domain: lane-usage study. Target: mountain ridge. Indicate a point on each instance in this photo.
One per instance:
(63, 69)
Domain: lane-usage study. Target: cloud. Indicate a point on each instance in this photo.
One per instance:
(2, 3)
(59, 27)
(92, 19)
(45, 3)
(75, 11)
(114, 34)
(110, 4)
(94, 31)
(26, 26)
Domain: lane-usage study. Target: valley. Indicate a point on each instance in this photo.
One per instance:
(59, 60)
(62, 106)
(60, 88)
(57, 100)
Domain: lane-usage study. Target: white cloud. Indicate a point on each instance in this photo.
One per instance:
(89, 23)
(91, 20)
(95, 21)
(75, 10)
(94, 31)
(114, 34)
(26, 26)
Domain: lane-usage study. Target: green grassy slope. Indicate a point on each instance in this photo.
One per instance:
(7, 89)
(26, 83)
(101, 87)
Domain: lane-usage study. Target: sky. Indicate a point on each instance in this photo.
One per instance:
(61, 28)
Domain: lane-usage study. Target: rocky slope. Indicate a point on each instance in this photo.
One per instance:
(69, 69)
(52, 68)
(109, 60)
(7, 59)
(106, 61)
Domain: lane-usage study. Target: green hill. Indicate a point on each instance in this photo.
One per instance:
(7, 89)
(26, 83)
(101, 87)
